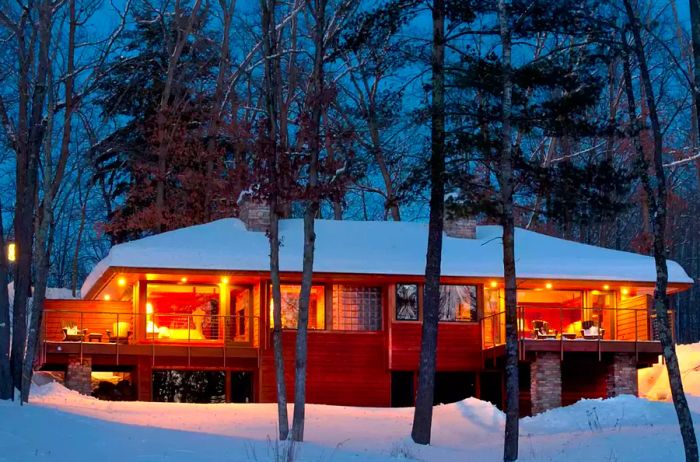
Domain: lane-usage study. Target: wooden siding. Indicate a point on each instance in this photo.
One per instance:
(93, 315)
(632, 321)
(343, 369)
(459, 346)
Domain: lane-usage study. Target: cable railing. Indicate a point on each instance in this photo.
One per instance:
(126, 328)
(630, 324)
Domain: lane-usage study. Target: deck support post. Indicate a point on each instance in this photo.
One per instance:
(79, 375)
(621, 376)
(545, 382)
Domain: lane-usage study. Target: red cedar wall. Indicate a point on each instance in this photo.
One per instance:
(343, 368)
(459, 346)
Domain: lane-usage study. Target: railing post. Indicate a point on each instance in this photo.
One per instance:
(82, 337)
(224, 339)
(561, 331)
(116, 336)
(636, 335)
(189, 353)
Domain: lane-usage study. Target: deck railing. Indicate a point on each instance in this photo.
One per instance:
(150, 328)
(636, 324)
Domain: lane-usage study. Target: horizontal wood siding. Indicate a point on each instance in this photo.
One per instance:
(459, 346)
(93, 315)
(632, 320)
(343, 369)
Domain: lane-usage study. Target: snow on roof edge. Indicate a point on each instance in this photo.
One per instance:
(361, 247)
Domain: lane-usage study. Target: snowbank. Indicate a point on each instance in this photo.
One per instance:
(62, 425)
(653, 381)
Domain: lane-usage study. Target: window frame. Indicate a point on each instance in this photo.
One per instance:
(330, 307)
(419, 302)
(322, 299)
(420, 287)
(478, 296)
(224, 308)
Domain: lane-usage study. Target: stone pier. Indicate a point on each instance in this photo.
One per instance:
(621, 376)
(545, 382)
(79, 375)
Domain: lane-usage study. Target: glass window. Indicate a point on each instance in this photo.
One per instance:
(290, 307)
(357, 308)
(458, 303)
(182, 312)
(407, 302)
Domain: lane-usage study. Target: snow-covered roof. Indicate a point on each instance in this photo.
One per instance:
(378, 247)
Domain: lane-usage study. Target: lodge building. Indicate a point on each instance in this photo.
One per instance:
(198, 299)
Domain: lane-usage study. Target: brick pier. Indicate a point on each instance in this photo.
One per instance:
(79, 375)
(622, 376)
(545, 382)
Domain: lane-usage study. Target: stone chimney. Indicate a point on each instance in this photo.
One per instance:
(464, 228)
(254, 213)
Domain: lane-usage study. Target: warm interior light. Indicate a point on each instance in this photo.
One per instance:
(224, 280)
(149, 308)
(625, 291)
(107, 297)
(12, 252)
(121, 282)
(183, 279)
(548, 285)
(595, 292)
(606, 287)
(494, 284)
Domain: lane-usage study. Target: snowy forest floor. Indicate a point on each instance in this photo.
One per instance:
(61, 425)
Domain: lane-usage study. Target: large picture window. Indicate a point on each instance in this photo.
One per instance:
(290, 307)
(183, 312)
(407, 302)
(458, 303)
(357, 308)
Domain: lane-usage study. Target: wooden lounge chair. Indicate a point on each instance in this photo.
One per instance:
(120, 332)
(71, 332)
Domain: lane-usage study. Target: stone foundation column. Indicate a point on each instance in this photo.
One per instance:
(622, 376)
(79, 375)
(545, 382)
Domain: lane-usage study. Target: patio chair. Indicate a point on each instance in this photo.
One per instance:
(120, 333)
(541, 330)
(71, 332)
(590, 331)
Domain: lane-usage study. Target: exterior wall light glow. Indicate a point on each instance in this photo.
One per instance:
(183, 279)
(548, 285)
(606, 287)
(107, 297)
(121, 282)
(224, 280)
(494, 284)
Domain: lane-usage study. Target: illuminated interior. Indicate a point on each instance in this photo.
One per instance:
(183, 312)
(571, 313)
(290, 307)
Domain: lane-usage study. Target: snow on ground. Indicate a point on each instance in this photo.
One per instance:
(653, 381)
(62, 425)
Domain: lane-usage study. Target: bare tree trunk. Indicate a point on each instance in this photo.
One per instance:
(423, 415)
(505, 182)
(78, 240)
(316, 101)
(267, 8)
(5, 371)
(655, 187)
(164, 105)
(52, 179)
